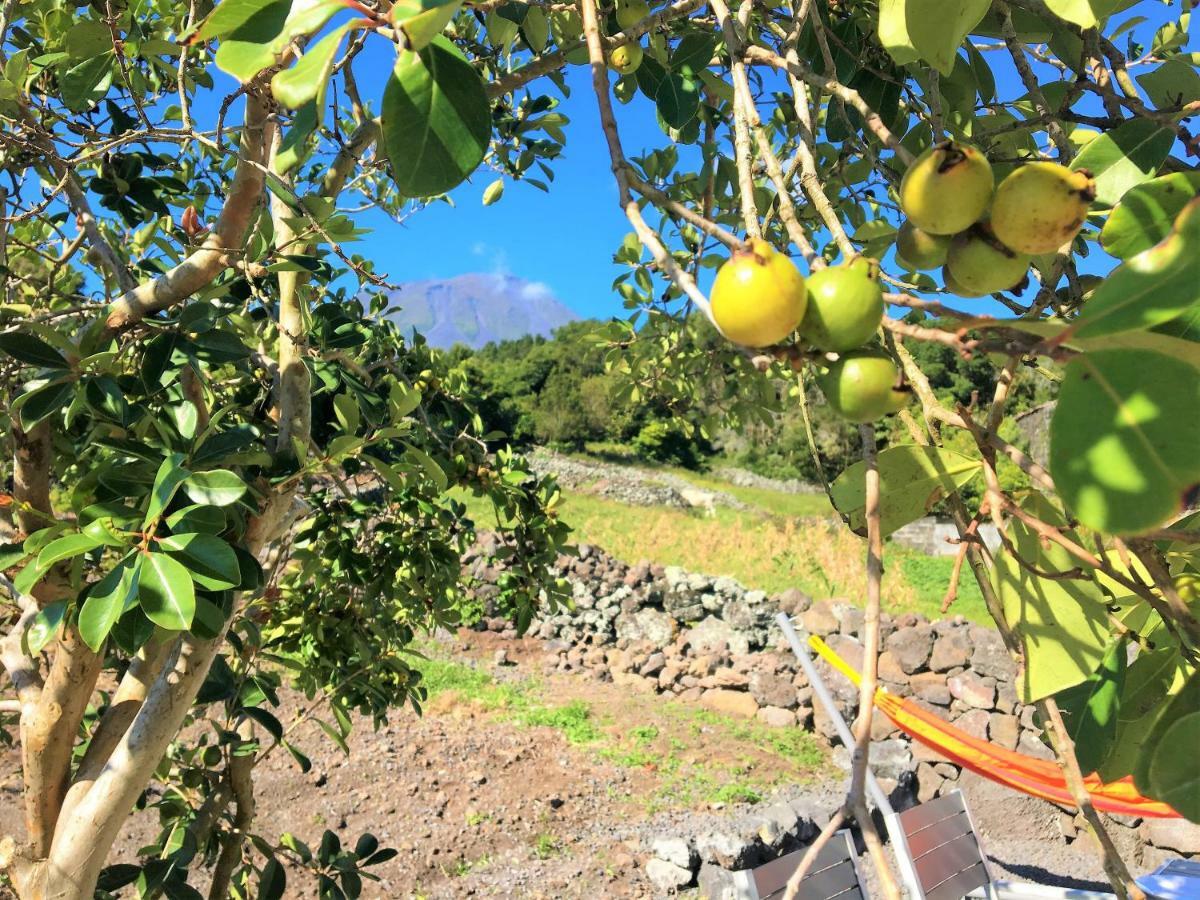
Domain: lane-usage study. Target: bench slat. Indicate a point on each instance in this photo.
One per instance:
(929, 839)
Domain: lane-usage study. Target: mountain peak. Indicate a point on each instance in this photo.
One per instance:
(477, 308)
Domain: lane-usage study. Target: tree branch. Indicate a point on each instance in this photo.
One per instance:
(227, 237)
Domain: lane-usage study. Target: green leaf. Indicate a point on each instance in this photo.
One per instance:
(345, 409)
(928, 29)
(1173, 83)
(436, 119)
(694, 53)
(423, 20)
(678, 99)
(44, 627)
(217, 487)
(65, 548)
(170, 476)
(31, 350)
(1144, 696)
(435, 472)
(272, 883)
(265, 719)
(108, 600)
(209, 621)
(207, 519)
(88, 38)
(1090, 710)
(1174, 776)
(1123, 438)
(1062, 623)
(1085, 13)
(1125, 157)
(294, 146)
(166, 592)
(304, 762)
(254, 33)
(212, 562)
(1146, 213)
(39, 404)
(306, 80)
(1153, 287)
(85, 84)
(912, 480)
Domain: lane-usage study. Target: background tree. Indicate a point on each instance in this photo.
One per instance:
(215, 450)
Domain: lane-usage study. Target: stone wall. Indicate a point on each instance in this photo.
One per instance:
(709, 640)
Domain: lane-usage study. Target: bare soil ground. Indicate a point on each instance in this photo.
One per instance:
(481, 801)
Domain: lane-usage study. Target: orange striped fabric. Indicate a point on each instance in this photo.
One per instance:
(1036, 777)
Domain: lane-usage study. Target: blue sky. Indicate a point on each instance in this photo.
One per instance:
(565, 239)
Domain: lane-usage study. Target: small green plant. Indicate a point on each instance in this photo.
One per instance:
(547, 846)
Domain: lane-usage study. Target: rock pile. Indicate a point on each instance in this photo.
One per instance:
(709, 640)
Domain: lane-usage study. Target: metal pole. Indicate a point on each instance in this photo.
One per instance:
(821, 692)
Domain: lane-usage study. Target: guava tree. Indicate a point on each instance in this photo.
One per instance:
(228, 471)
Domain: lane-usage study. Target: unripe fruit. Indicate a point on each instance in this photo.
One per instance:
(630, 12)
(954, 287)
(982, 265)
(1041, 206)
(626, 58)
(947, 188)
(845, 307)
(758, 297)
(919, 249)
(863, 385)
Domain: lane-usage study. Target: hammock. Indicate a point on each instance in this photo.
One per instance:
(1036, 777)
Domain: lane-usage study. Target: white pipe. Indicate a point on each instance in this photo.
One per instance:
(821, 692)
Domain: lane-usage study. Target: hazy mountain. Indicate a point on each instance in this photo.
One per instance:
(476, 309)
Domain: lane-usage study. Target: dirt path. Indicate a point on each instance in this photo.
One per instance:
(481, 800)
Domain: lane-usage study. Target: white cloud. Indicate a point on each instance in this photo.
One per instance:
(536, 290)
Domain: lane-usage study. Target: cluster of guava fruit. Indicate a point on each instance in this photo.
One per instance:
(985, 235)
(759, 298)
(627, 58)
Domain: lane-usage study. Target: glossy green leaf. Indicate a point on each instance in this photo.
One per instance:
(678, 99)
(165, 592)
(1146, 213)
(306, 80)
(1085, 13)
(65, 548)
(1062, 623)
(209, 621)
(1125, 157)
(39, 404)
(927, 29)
(206, 519)
(253, 33)
(1174, 775)
(108, 600)
(171, 474)
(694, 53)
(211, 561)
(217, 487)
(1144, 695)
(912, 480)
(31, 350)
(272, 883)
(1173, 83)
(44, 627)
(84, 85)
(1153, 287)
(1091, 709)
(436, 119)
(1123, 438)
(429, 465)
(423, 20)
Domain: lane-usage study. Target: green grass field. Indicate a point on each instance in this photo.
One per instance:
(785, 540)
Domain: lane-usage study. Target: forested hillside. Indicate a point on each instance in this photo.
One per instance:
(563, 392)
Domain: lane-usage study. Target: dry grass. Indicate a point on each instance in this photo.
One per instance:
(771, 553)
